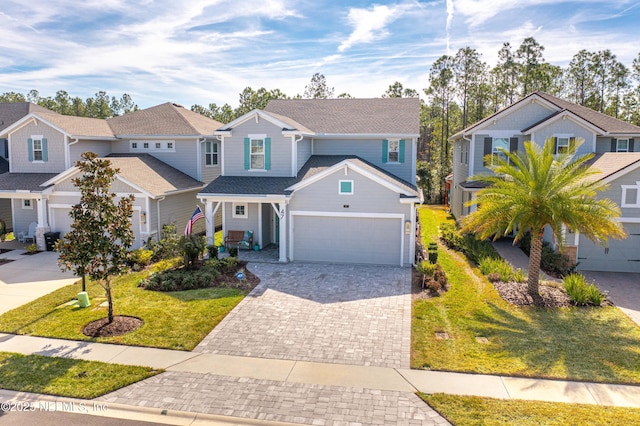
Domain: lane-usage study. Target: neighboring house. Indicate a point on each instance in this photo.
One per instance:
(537, 117)
(326, 180)
(165, 154)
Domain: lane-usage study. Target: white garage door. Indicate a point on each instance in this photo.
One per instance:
(61, 220)
(618, 256)
(347, 240)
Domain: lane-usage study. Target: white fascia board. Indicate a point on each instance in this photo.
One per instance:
(297, 133)
(252, 114)
(366, 135)
(222, 133)
(162, 137)
(349, 164)
(137, 187)
(567, 115)
(242, 198)
(182, 191)
(61, 176)
(27, 119)
(627, 219)
(623, 135)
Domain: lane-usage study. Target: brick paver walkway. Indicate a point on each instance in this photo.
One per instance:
(277, 401)
(348, 314)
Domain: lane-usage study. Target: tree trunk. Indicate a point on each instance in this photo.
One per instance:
(107, 289)
(535, 256)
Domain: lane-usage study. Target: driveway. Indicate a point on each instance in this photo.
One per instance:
(623, 288)
(28, 277)
(347, 314)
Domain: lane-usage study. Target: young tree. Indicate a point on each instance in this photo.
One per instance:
(318, 88)
(537, 189)
(101, 232)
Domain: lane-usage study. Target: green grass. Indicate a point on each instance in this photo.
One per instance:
(177, 320)
(66, 377)
(473, 410)
(589, 344)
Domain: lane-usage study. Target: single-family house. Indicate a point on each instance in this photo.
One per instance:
(165, 154)
(537, 117)
(326, 180)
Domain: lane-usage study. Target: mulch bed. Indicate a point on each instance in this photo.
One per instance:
(4, 250)
(121, 325)
(3, 261)
(31, 253)
(229, 280)
(417, 292)
(552, 297)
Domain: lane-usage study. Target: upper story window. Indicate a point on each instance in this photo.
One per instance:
(493, 147)
(622, 145)
(152, 146)
(345, 187)
(37, 148)
(257, 152)
(393, 151)
(631, 196)
(497, 147)
(563, 143)
(210, 153)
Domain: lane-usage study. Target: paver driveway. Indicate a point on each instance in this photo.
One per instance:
(349, 314)
(623, 289)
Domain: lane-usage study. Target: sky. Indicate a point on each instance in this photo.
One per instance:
(207, 51)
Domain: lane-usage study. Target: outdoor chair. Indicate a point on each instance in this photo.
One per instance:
(30, 235)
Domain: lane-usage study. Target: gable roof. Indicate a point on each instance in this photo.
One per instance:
(163, 119)
(285, 123)
(32, 182)
(10, 112)
(251, 185)
(611, 163)
(78, 126)
(352, 116)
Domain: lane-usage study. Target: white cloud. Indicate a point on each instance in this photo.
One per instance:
(370, 24)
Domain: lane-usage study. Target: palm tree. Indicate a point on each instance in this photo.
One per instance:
(535, 189)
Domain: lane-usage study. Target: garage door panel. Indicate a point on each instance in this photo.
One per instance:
(347, 240)
(618, 256)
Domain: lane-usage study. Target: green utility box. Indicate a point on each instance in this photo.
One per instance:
(83, 299)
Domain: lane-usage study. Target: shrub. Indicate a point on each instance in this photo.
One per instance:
(179, 279)
(494, 277)
(426, 268)
(519, 276)
(168, 246)
(477, 250)
(433, 252)
(580, 292)
(192, 247)
(141, 257)
(212, 250)
(31, 248)
(450, 235)
(502, 268)
(233, 252)
(552, 262)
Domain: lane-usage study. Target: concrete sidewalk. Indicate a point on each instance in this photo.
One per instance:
(316, 373)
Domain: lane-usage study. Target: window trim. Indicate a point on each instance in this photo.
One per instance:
(626, 188)
(340, 191)
(396, 151)
(494, 152)
(35, 138)
(213, 154)
(257, 138)
(557, 138)
(235, 215)
(27, 207)
(618, 144)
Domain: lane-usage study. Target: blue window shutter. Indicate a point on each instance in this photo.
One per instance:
(45, 156)
(385, 150)
(401, 151)
(247, 153)
(267, 153)
(30, 148)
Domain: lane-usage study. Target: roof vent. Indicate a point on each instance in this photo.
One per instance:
(177, 105)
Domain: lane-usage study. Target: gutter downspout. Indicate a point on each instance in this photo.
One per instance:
(69, 151)
(158, 225)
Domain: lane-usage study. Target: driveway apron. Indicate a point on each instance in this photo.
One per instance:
(347, 314)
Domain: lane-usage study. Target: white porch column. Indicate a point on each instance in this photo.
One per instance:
(283, 232)
(43, 224)
(209, 226)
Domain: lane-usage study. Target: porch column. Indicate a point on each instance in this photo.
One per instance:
(209, 226)
(283, 232)
(43, 224)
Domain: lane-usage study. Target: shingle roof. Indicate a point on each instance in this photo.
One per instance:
(607, 123)
(10, 112)
(79, 126)
(612, 162)
(12, 182)
(352, 116)
(154, 176)
(163, 119)
(249, 185)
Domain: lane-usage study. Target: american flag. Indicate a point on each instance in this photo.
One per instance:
(197, 214)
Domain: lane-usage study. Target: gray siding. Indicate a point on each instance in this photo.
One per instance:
(23, 217)
(209, 173)
(370, 150)
(603, 144)
(567, 127)
(19, 151)
(177, 209)
(238, 224)
(460, 174)
(184, 158)
(102, 148)
(234, 150)
(304, 152)
(614, 193)
(520, 119)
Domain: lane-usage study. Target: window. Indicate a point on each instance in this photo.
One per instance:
(394, 151)
(152, 145)
(158, 145)
(257, 154)
(345, 187)
(622, 145)
(146, 145)
(26, 204)
(631, 196)
(169, 145)
(562, 145)
(240, 210)
(497, 145)
(210, 154)
(134, 145)
(37, 150)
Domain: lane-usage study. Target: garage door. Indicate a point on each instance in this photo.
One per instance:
(347, 240)
(618, 256)
(61, 220)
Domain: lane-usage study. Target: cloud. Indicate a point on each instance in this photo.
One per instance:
(370, 24)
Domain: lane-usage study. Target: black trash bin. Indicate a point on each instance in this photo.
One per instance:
(50, 239)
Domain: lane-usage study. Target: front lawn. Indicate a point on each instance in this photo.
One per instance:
(589, 344)
(176, 320)
(66, 377)
(473, 410)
